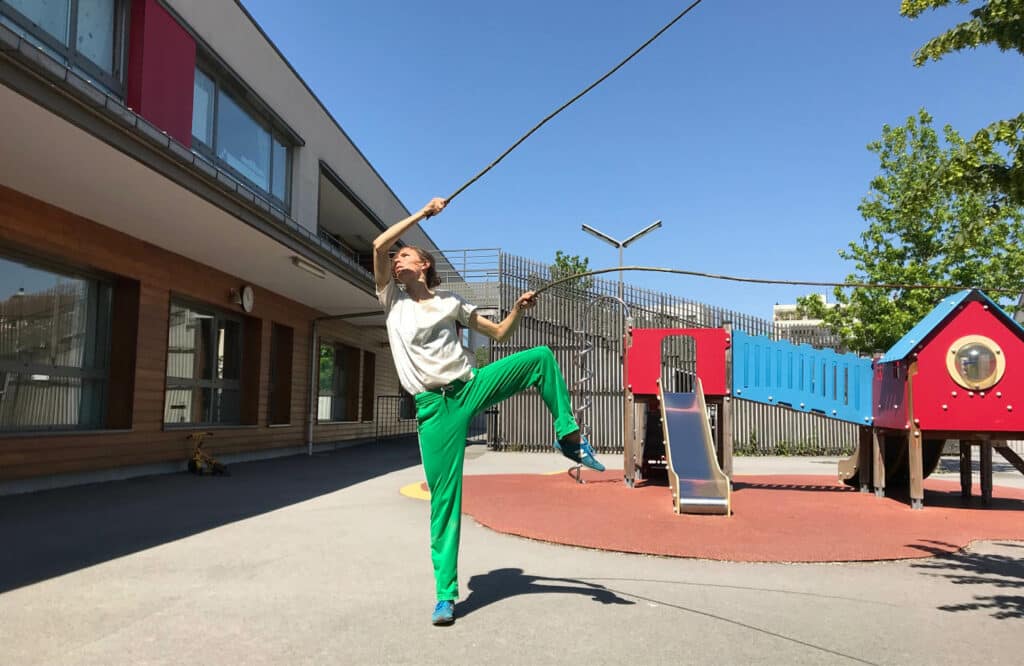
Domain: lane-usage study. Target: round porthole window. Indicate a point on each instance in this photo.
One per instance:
(975, 362)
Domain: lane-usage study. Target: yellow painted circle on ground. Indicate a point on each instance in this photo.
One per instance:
(416, 491)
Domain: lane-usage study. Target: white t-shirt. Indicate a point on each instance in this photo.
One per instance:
(424, 344)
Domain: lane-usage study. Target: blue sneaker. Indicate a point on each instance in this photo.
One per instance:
(582, 453)
(444, 613)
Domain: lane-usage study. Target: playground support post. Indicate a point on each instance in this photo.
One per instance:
(725, 410)
(915, 444)
(865, 448)
(986, 472)
(965, 468)
(878, 468)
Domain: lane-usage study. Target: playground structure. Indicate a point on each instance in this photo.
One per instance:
(670, 431)
(953, 376)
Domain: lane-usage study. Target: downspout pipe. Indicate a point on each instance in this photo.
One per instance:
(314, 382)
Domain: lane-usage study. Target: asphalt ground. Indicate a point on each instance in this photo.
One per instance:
(320, 560)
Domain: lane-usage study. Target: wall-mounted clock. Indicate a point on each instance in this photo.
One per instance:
(248, 298)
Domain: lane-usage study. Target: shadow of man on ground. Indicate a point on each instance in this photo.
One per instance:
(504, 583)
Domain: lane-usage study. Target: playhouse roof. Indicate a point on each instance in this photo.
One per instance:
(939, 314)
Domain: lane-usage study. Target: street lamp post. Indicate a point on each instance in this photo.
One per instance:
(621, 244)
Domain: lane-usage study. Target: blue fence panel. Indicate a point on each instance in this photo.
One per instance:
(777, 372)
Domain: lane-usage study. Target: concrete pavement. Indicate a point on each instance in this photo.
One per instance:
(320, 560)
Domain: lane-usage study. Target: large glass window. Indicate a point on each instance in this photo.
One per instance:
(239, 138)
(54, 349)
(204, 359)
(94, 36)
(339, 383)
(51, 16)
(87, 34)
(203, 97)
(242, 143)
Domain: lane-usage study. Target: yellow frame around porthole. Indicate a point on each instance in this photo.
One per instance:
(987, 382)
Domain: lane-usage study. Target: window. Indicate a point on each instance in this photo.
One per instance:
(54, 349)
(339, 382)
(87, 34)
(976, 362)
(204, 359)
(238, 138)
(281, 340)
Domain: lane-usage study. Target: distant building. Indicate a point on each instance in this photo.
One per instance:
(794, 325)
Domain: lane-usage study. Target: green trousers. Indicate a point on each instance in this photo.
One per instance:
(444, 416)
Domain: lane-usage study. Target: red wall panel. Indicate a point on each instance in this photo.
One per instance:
(643, 359)
(941, 404)
(161, 69)
(1000, 408)
(889, 391)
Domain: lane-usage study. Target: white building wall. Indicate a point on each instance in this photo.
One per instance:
(232, 35)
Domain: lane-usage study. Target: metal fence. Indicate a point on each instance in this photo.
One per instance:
(764, 430)
(492, 279)
(522, 423)
(393, 419)
(396, 417)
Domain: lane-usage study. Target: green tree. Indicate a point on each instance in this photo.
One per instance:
(326, 369)
(922, 229)
(566, 265)
(993, 22)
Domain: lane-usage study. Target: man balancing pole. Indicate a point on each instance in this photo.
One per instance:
(433, 366)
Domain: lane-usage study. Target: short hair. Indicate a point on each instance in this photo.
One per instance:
(432, 279)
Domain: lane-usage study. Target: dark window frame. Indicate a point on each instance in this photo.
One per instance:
(194, 383)
(279, 385)
(367, 384)
(115, 80)
(224, 83)
(100, 297)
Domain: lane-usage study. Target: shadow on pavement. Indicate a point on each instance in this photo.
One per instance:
(809, 487)
(54, 532)
(501, 584)
(962, 568)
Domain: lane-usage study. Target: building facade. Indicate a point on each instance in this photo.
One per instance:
(185, 245)
(792, 323)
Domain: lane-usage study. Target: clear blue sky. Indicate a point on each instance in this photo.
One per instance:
(743, 127)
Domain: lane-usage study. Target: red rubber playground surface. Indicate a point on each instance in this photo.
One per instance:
(775, 518)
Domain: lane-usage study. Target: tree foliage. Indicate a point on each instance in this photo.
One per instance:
(923, 229)
(993, 22)
(566, 265)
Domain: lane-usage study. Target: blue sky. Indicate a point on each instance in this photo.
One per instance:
(743, 127)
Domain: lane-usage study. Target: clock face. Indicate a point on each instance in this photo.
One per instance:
(247, 298)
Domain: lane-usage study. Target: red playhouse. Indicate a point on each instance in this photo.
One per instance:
(958, 374)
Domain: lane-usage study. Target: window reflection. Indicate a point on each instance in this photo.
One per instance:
(230, 132)
(242, 143)
(204, 356)
(202, 108)
(95, 34)
(54, 348)
(50, 15)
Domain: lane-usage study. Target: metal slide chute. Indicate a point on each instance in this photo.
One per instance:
(697, 482)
